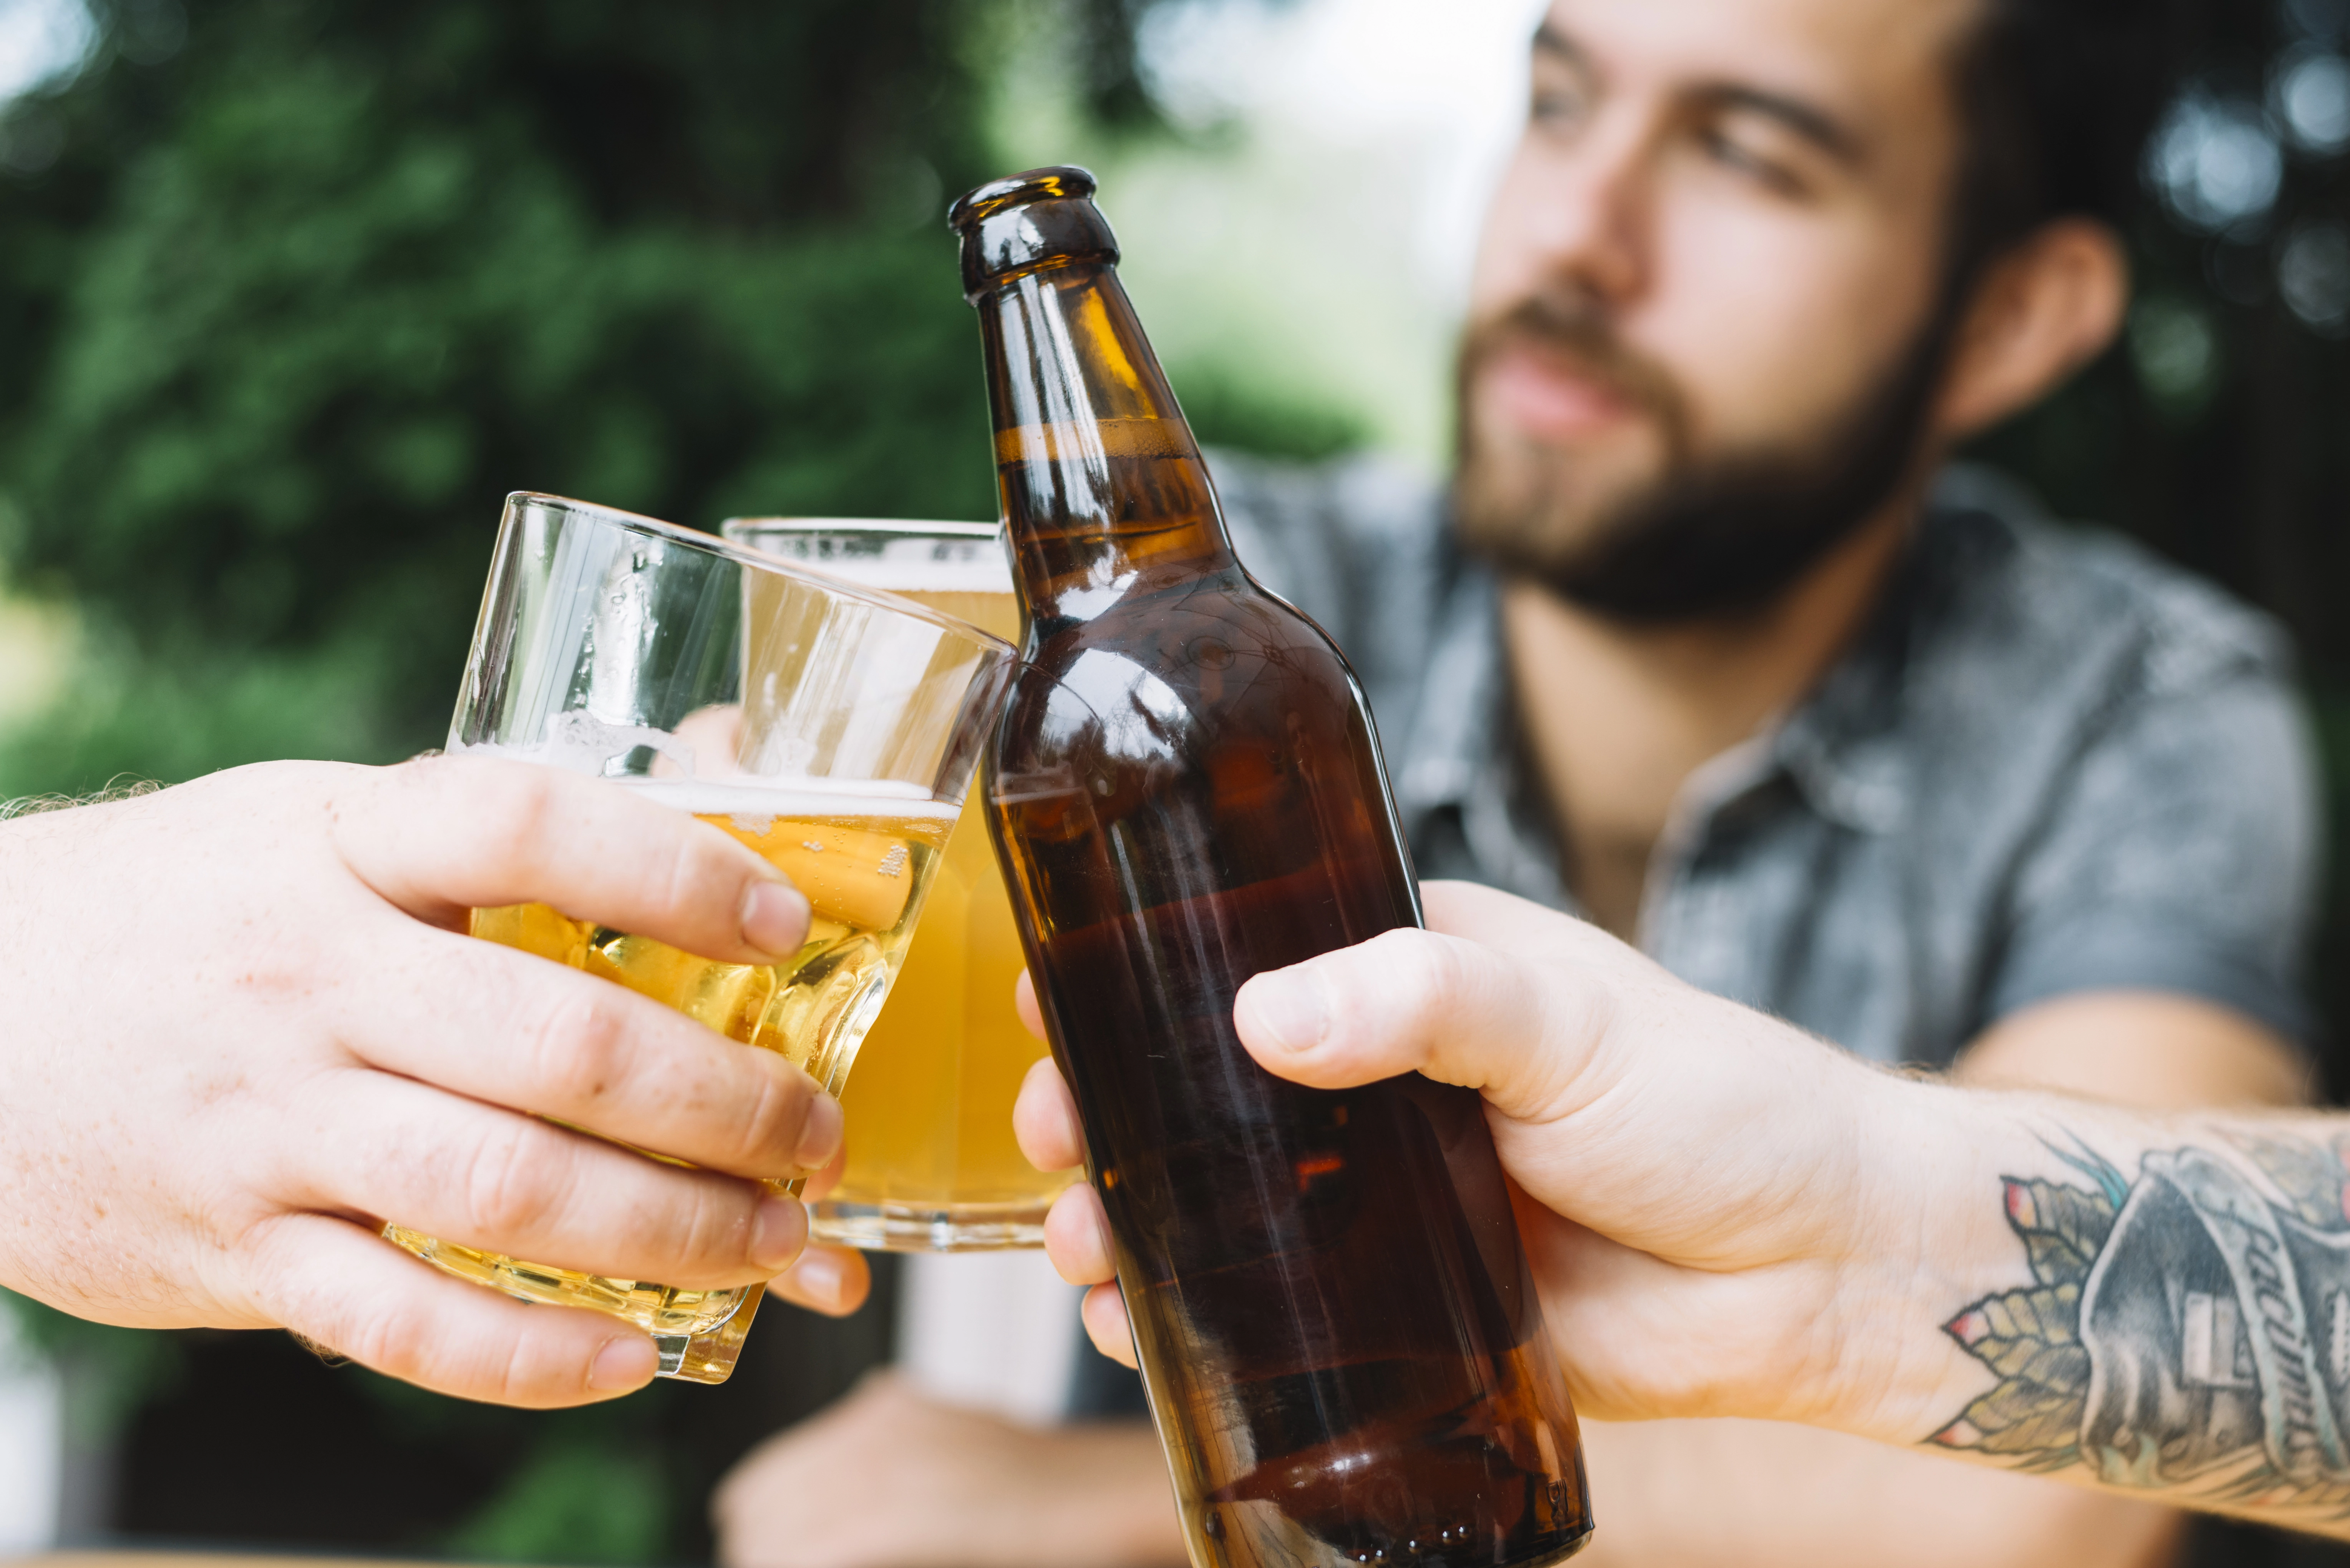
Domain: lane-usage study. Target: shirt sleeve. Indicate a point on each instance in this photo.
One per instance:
(2182, 859)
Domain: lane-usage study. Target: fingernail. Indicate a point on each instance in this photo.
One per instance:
(821, 1134)
(820, 1276)
(626, 1363)
(778, 1234)
(774, 918)
(1289, 1007)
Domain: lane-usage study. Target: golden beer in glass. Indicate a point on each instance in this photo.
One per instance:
(830, 728)
(932, 1164)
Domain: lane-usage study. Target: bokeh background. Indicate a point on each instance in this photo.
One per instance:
(292, 291)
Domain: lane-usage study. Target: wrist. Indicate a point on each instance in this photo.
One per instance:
(1927, 1235)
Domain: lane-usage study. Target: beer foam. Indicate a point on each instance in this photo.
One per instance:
(769, 798)
(916, 577)
(912, 564)
(580, 743)
(748, 796)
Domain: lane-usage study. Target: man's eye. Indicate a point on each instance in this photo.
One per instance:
(1556, 107)
(1738, 156)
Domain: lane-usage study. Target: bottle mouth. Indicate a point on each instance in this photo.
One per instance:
(1026, 223)
(1063, 181)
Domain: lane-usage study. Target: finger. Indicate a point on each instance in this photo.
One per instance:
(1044, 1119)
(823, 1182)
(1107, 1327)
(1414, 1001)
(832, 1281)
(1024, 1002)
(345, 1289)
(444, 835)
(500, 1182)
(495, 1025)
(1077, 1237)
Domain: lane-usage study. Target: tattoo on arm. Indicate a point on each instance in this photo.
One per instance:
(2187, 1332)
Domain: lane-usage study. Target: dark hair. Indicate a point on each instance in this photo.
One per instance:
(2056, 99)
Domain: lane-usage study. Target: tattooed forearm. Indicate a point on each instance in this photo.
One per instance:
(2184, 1332)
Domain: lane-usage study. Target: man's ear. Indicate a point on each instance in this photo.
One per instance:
(2041, 312)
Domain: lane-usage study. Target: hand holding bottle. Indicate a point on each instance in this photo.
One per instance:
(1727, 1218)
(1720, 1209)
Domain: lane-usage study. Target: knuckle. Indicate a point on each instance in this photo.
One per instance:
(511, 1181)
(271, 1272)
(777, 1110)
(520, 1376)
(426, 774)
(715, 1229)
(372, 1329)
(506, 809)
(1414, 976)
(689, 873)
(577, 1047)
(390, 1341)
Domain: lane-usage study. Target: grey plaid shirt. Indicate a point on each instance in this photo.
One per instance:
(2049, 764)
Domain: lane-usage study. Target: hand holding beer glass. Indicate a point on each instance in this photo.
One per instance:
(831, 729)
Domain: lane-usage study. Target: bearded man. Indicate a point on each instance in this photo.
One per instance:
(1711, 642)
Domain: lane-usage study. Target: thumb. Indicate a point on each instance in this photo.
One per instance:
(1411, 1001)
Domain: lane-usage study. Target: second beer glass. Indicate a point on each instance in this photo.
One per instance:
(933, 1164)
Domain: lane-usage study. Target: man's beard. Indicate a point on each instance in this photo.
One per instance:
(1715, 537)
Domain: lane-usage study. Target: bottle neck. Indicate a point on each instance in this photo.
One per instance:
(1101, 482)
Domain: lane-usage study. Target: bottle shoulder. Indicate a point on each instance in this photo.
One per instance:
(1181, 692)
(1216, 733)
(1210, 621)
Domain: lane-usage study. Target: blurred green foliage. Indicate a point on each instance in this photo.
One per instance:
(587, 1503)
(297, 305)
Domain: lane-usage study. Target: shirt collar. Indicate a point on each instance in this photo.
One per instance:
(1841, 748)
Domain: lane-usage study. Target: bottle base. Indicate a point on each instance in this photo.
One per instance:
(1282, 1542)
(1563, 1553)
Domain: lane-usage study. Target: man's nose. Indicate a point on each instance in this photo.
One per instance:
(1587, 216)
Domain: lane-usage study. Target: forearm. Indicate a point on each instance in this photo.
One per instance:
(1698, 1494)
(2156, 1304)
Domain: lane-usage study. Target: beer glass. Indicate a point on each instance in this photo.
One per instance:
(932, 1166)
(831, 728)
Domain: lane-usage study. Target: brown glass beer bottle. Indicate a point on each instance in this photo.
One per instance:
(1338, 1333)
